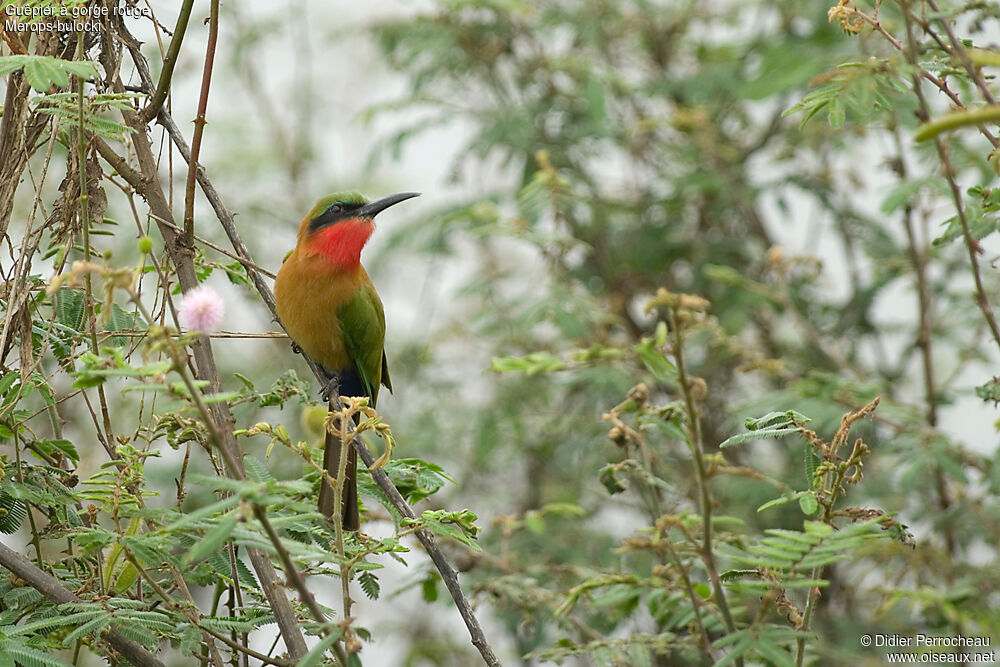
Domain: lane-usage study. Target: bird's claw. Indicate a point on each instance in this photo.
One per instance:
(332, 383)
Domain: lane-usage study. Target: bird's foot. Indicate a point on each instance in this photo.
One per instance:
(331, 384)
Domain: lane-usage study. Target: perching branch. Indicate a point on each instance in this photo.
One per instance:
(924, 342)
(429, 542)
(963, 55)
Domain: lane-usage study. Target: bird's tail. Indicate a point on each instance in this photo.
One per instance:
(351, 519)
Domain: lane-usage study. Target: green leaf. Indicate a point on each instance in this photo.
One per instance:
(150, 619)
(64, 446)
(808, 504)
(770, 426)
(137, 633)
(315, 656)
(252, 620)
(120, 321)
(812, 463)
(44, 71)
(450, 524)
(415, 478)
(31, 657)
(61, 620)
(369, 584)
(532, 364)
(775, 419)
(126, 577)
(818, 528)
(655, 361)
(213, 539)
(95, 625)
(773, 653)
(989, 391)
(639, 656)
(772, 434)
(835, 113)
(7, 381)
(429, 587)
(108, 129)
(149, 548)
(613, 479)
(13, 512)
(188, 520)
(737, 642)
(774, 502)
(42, 74)
(69, 308)
(984, 57)
(256, 470)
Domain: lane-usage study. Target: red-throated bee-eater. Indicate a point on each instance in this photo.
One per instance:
(331, 311)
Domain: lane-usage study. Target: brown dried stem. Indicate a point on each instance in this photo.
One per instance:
(199, 123)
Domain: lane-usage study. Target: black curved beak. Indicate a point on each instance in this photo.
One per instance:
(373, 208)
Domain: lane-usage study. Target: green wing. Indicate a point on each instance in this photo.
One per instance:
(362, 322)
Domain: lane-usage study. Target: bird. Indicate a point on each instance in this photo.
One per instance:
(327, 304)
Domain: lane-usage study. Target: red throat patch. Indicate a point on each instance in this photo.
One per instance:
(342, 241)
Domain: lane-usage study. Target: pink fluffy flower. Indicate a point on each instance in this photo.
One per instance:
(202, 309)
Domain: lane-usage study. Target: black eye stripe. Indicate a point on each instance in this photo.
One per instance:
(334, 213)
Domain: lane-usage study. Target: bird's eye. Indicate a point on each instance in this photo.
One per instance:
(335, 209)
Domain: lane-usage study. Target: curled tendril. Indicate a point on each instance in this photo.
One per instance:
(847, 16)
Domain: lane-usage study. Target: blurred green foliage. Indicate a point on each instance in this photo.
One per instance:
(693, 146)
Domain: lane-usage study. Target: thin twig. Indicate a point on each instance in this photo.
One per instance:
(88, 294)
(832, 484)
(340, 513)
(159, 95)
(963, 55)
(925, 337)
(701, 474)
(193, 613)
(199, 122)
(940, 83)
